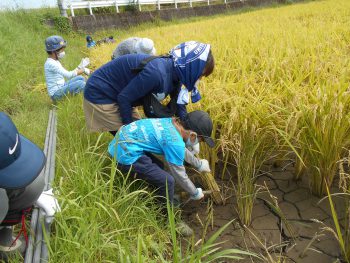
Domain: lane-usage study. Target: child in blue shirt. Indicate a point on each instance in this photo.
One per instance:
(167, 137)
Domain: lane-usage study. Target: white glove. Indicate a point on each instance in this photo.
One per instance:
(194, 149)
(87, 71)
(48, 202)
(84, 63)
(204, 167)
(198, 196)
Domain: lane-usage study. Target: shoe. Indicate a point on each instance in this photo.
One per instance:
(12, 252)
(183, 229)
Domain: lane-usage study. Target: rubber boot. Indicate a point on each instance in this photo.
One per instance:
(8, 249)
(5, 236)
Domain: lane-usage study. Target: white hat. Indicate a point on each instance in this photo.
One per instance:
(145, 46)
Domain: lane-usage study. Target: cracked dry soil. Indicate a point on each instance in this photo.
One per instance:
(300, 237)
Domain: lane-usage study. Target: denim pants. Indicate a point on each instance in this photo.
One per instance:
(147, 169)
(73, 86)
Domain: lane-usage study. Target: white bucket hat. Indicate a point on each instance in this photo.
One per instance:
(145, 46)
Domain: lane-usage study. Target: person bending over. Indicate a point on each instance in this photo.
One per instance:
(21, 186)
(167, 137)
(134, 45)
(114, 90)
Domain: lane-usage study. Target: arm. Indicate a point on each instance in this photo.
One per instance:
(180, 176)
(192, 159)
(59, 69)
(4, 204)
(181, 111)
(141, 85)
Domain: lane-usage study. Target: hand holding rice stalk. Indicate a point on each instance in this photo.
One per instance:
(209, 183)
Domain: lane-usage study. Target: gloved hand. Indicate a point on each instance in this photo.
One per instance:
(198, 196)
(194, 149)
(87, 71)
(84, 63)
(204, 166)
(48, 203)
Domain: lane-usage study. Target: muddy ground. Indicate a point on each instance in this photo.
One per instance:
(300, 237)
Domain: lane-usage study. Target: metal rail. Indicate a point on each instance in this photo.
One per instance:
(37, 251)
(72, 5)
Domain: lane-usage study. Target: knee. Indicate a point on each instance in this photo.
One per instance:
(170, 181)
(80, 84)
(80, 78)
(30, 194)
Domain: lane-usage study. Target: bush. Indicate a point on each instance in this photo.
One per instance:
(62, 24)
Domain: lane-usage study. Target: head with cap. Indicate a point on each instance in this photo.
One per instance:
(55, 46)
(88, 38)
(20, 160)
(54, 43)
(200, 123)
(145, 46)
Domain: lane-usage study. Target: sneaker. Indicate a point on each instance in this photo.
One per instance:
(183, 229)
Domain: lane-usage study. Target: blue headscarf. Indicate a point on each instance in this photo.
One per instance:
(189, 61)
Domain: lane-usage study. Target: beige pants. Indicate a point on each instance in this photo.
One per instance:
(104, 117)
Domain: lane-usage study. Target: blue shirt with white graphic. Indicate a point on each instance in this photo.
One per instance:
(157, 136)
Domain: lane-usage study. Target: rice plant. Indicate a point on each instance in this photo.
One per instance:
(324, 134)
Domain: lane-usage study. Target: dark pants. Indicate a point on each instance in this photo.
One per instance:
(147, 168)
(21, 199)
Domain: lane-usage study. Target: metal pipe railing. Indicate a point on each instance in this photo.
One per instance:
(73, 5)
(37, 251)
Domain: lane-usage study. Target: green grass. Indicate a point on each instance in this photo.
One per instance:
(22, 58)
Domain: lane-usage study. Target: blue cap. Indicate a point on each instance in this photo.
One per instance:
(20, 160)
(54, 43)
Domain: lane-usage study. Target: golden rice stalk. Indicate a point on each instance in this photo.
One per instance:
(209, 183)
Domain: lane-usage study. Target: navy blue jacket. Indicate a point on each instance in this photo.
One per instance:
(115, 82)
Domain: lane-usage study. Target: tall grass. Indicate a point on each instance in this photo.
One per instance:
(106, 217)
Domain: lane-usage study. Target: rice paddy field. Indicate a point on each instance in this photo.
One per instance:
(279, 98)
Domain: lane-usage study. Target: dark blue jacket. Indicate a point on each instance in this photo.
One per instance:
(115, 82)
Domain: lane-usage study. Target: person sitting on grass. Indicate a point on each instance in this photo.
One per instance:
(55, 73)
(167, 137)
(134, 45)
(21, 186)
